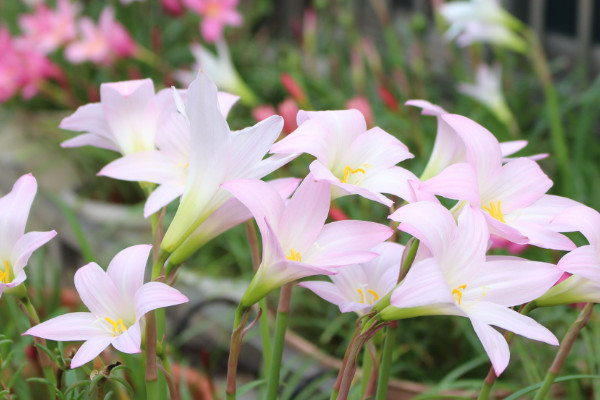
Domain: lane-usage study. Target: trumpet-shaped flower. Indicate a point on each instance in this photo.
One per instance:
(296, 241)
(16, 246)
(511, 196)
(117, 299)
(126, 120)
(359, 287)
(458, 280)
(167, 166)
(351, 158)
(216, 156)
(216, 14)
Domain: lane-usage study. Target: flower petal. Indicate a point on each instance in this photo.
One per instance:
(161, 197)
(90, 350)
(307, 138)
(153, 295)
(14, 210)
(584, 219)
(98, 292)
(129, 342)
(458, 182)
(26, 245)
(126, 270)
(68, 327)
(89, 139)
(147, 166)
(494, 345)
(582, 261)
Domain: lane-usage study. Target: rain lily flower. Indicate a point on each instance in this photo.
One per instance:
(219, 68)
(449, 147)
(168, 165)
(458, 280)
(230, 214)
(126, 119)
(216, 156)
(216, 14)
(511, 196)
(359, 287)
(296, 241)
(101, 44)
(351, 158)
(46, 30)
(481, 21)
(487, 90)
(16, 246)
(583, 262)
(117, 299)
(10, 66)
(361, 103)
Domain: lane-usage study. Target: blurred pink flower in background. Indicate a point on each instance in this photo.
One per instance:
(48, 29)
(512, 248)
(361, 103)
(35, 69)
(10, 66)
(103, 43)
(173, 7)
(215, 15)
(288, 109)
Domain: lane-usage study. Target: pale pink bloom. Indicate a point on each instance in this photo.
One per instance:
(46, 30)
(126, 120)
(511, 196)
(230, 214)
(217, 155)
(359, 287)
(168, 165)
(296, 241)
(351, 158)
(449, 147)
(216, 14)
(458, 280)
(16, 246)
(361, 103)
(117, 300)
(101, 44)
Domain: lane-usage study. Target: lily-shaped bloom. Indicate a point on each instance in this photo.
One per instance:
(125, 120)
(449, 147)
(230, 214)
(482, 21)
(117, 300)
(101, 44)
(296, 241)
(216, 14)
(487, 90)
(16, 246)
(168, 165)
(216, 156)
(511, 196)
(351, 158)
(46, 30)
(583, 262)
(458, 280)
(359, 287)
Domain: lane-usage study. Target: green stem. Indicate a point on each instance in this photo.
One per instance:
(281, 321)
(563, 351)
(490, 379)
(367, 370)
(386, 361)
(241, 315)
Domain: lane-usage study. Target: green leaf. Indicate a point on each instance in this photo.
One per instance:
(249, 386)
(531, 388)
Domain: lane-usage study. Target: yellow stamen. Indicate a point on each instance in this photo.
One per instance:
(294, 256)
(457, 293)
(362, 295)
(364, 299)
(5, 275)
(118, 327)
(374, 294)
(348, 171)
(495, 211)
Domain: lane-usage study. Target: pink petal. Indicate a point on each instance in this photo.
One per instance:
(494, 345)
(14, 210)
(98, 292)
(146, 166)
(582, 261)
(226, 102)
(344, 126)
(173, 138)
(88, 118)
(327, 291)
(544, 212)
(397, 181)
(584, 219)
(153, 295)
(26, 245)
(129, 342)
(89, 139)
(541, 236)
(377, 148)
(428, 108)
(506, 231)
(458, 182)
(68, 327)
(508, 148)
(90, 350)
(308, 138)
(126, 270)
(465, 251)
(161, 197)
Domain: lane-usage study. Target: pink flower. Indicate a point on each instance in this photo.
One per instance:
(46, 30)
(101, 44)
(513, 248)
(216, 14)
(117, 299)
(457, 279)
(10, 66)
(287, 109)
(362, 104)
(296, 241)
(173, 7)
(16, 246)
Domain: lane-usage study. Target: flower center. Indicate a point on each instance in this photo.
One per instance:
(5, 275)
(365, 298)
(294, 256)
(349, 171)
(495, 211)
(118, 326)
(457, 292)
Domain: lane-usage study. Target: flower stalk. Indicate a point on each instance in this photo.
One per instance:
(241, 316)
